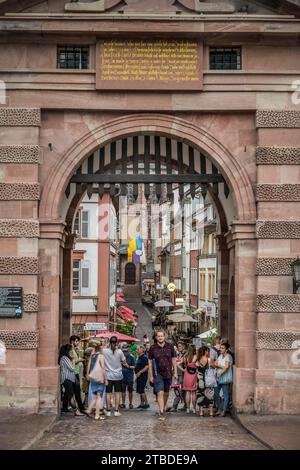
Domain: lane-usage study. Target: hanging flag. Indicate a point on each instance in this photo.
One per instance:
(131, 249)
(143, 256)
(132, 244)
(135, 258)
(139, 243)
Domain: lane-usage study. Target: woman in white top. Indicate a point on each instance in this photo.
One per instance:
(224, 378)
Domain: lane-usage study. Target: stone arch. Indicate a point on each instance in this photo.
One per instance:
(234, 253)
(158, 124)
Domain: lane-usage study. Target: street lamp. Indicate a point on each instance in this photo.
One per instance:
(95, 302)
(296, 275)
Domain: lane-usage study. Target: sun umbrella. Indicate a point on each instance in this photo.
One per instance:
(207, 334)
(127, 311)
(127, 316)
(120, 336)
(163, 303)
(121, 316)
(180, 310)
(179, 318)
(200, 310)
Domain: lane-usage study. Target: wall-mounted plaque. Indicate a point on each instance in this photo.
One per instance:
(149, 65)
(11, 302)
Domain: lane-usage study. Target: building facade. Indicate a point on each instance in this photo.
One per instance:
(214, 86)
(92, 301)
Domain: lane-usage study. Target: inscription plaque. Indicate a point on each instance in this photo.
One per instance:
(149, 64)
(11, 302)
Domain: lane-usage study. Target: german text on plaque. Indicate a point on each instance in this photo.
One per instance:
(149, 64)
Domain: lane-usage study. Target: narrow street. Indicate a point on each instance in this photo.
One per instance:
(141, 430)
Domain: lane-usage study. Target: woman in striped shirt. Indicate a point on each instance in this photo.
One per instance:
(67, 376)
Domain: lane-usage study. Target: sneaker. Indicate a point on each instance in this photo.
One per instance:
(117, 413)
(108, 413)
(131, 406)
(188, 410)
(194, 411)
(123, 406)
(139, 407)
(173, 410)
(162, 417)
(145, 407)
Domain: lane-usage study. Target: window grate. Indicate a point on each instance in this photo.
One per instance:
(226, 58)
(76, 277)
(72, 57)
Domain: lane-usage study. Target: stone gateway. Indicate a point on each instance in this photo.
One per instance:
(206, 89)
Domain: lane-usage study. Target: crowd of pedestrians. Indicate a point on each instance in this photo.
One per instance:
(105, 375)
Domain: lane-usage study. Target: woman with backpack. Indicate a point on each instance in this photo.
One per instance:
(96, 375)
(190, 378)
(206, 382)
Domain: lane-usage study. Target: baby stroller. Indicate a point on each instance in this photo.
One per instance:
(178, 391)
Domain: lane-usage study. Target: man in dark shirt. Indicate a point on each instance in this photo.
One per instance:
(162, 367)
(141, 374)
(127, 382)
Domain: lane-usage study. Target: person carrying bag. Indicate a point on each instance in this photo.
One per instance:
(224, 379)
(97, 376)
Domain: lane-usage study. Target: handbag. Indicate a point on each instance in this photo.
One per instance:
(98, 374)
(191, 370)
(226, 377)
(210, 379)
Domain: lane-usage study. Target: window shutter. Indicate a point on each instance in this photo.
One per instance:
(85, 224)
(85, 278)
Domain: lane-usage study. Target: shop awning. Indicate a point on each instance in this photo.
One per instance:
(83, 319)
(120, 336)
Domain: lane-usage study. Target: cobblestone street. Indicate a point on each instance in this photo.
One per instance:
(142, 430)
(137, 429)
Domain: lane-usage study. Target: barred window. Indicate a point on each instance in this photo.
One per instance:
(76, 277)
(225, 58)
(73, 57)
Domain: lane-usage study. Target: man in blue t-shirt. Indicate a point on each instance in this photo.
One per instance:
(141, 374)
(127, 382)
